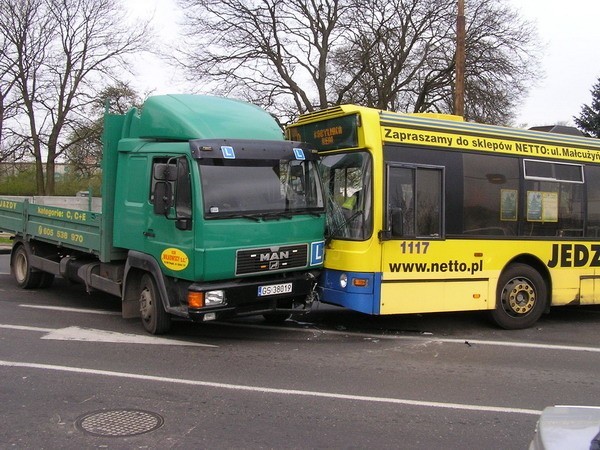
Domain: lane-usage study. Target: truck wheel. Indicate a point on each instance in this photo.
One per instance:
(520, 298)
(154, 317)
(21, 269)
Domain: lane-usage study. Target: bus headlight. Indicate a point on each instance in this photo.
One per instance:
(213, 298)
(343, 280)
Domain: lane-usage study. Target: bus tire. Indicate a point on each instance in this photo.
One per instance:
(154, 317)
(25, 275)
(521, 297)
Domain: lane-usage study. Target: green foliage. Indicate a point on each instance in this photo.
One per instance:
(23, 183)
(70, 185)
(589, 119)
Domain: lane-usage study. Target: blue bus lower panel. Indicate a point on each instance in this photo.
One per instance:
(362, 291)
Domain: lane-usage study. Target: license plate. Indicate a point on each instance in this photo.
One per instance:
(274, 289)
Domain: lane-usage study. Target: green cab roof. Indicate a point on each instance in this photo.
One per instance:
(185, 117)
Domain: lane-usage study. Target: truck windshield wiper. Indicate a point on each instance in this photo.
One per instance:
(310, 211)
(276, 215)
(253, 217)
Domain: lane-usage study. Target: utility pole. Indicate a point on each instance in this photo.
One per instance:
(459, 86)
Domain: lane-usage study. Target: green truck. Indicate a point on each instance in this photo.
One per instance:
(207, 213)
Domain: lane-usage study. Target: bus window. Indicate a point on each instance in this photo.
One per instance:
(592, 179)
(347, 181)
(491, 195)
(414, 201)
(554, 209)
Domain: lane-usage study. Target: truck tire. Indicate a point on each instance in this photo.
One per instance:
(25, 275)
(521, 297)
(154, 317)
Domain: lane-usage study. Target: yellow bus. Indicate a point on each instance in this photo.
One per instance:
(428, 213)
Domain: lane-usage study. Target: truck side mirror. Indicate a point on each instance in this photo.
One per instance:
(183, 224)
(165, 172)
(163, 197)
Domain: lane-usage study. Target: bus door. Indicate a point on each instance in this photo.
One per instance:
(414, 220)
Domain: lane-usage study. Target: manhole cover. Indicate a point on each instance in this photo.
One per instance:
(119, 422)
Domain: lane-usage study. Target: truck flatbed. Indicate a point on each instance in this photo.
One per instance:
(42, 219)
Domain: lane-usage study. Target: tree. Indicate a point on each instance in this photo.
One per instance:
(292, 55)
(589, 118)
(84, 148)
(63, 50)
(10, 149)
(271, 52)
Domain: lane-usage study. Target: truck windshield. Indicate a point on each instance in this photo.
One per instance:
(260, 188)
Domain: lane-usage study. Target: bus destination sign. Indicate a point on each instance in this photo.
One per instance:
(330, 134)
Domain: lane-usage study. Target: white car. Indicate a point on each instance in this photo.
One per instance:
(568, 427)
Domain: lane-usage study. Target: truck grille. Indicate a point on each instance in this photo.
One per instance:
(271, 259)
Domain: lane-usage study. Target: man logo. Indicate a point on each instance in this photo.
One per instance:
(273, 265)
(274, 256)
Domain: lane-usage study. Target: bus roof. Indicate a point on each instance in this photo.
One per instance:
(433, 121)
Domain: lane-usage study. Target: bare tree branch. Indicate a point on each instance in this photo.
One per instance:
(64, 51)
(392, 54)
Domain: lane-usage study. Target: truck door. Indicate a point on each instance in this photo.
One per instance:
(169, 235)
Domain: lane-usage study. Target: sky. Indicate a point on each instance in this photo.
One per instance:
(569, 34)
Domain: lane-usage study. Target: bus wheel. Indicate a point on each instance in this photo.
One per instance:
(154, 317)
(26, 276)
(521, 297)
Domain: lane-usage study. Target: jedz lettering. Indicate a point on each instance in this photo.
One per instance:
(574, 255)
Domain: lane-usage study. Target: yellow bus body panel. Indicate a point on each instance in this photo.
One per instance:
(455, 273)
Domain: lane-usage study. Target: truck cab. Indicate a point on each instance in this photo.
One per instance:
(224, 214)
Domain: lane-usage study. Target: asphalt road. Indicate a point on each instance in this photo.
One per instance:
(77, 375)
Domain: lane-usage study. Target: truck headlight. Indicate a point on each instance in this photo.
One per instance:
(213, 298)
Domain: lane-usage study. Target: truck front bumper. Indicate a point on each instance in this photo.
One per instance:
(288, 293)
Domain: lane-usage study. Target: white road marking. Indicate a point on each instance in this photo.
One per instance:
(77, 310)
(25, 328)
(267, 390)
(93, 335)
(462, 341)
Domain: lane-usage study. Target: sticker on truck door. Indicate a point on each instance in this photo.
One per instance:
(174, 259)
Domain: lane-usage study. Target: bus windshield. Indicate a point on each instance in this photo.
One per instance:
(347, 181)
(260, 187)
